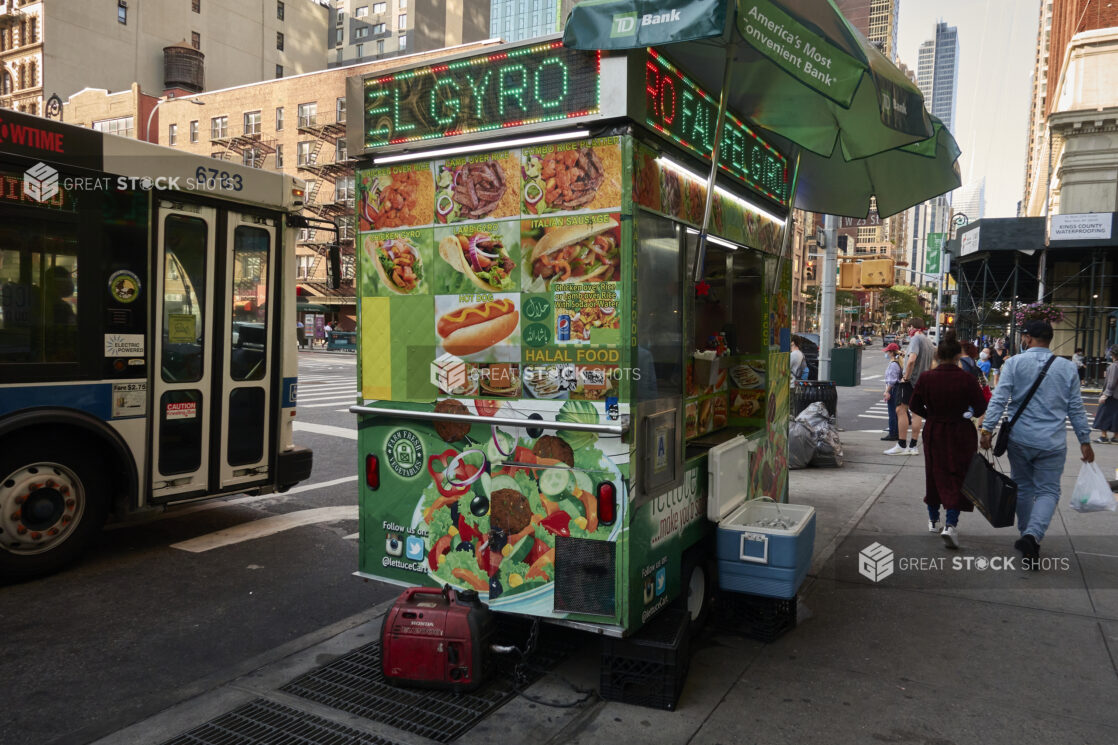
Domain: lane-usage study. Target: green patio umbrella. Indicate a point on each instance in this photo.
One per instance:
(794, 67)
(898, 178)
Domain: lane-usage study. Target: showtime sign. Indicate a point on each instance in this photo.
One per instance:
(31, 137)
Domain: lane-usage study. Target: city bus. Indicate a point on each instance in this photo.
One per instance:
(147, 334)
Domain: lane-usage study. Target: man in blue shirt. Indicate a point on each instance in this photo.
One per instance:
(1038, 442)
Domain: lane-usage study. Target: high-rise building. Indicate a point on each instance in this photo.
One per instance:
(513, 20)
(970, 200)
(364, 30)
(876, 19)
(1035, 148)
(51, 49)
(937, 73)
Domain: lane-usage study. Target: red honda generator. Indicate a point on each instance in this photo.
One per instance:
(437, 639)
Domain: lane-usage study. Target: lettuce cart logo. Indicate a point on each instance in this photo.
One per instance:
(405, 453)
(40, 182)
(875, 562)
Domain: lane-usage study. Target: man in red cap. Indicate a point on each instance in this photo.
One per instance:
(892, 377)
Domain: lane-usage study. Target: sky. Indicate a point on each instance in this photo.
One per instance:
(997, 50)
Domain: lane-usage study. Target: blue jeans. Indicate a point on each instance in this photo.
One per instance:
(892, 419)
(952, 516)
(1037, 473)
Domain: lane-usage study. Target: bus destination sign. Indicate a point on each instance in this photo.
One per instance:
(677, 108)
(540, 83)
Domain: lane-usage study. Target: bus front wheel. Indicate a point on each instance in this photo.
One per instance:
(53, 501)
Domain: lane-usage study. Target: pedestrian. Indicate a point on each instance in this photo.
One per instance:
(1038, 441)
(947, 396)
(892, 377)
(1080, 364)
(1106, 418)
(984, 361)
(998, 356)
(796, 362)
(918, 361)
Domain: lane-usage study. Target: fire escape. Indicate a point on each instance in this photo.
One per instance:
(252, 149)
(333, 165)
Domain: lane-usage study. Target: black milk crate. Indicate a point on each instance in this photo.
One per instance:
(650, 667)
(758, 617)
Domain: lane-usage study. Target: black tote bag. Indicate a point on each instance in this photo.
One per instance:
(993, 493)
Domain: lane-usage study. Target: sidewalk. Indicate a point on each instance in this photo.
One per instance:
(923, 656)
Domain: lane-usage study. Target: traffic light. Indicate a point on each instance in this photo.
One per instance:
(843, 242)
(850, 275)
(334, 266)
(877, 273)
(811, 271)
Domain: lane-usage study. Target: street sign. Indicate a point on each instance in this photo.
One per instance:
(933, 253)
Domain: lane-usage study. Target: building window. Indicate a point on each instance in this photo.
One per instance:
(279, 119)
(196, 5)
(219, 127)
(403, 4)
(341, 56)
(344, 189)
(279, 71)
(403, 42)
(279, 40)
(380, 7)
(339, 110)
(361, 12)
(340, 152)
(308, 114)
(345, 229)
(341, 17)
(252, 158)
(360, 33)
(402, 22)
(339, 36)
(379, 28)
(279, 156)
(122, 12)
(123, 127)
(360, 51)
(303, 155)
(194, 131)
(303, 266)
(252, 122)
(172, 134)
(279, 10)
(196, 40)
(380, 48)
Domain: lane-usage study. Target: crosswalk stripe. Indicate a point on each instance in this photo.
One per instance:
(332, 402)
(873, 416)
(265, 527)
(321, 395)
(325, 429)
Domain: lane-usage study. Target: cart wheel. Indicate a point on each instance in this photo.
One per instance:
(698, 590)
(53, 501)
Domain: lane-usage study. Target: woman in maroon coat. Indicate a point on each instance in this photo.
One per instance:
(947, 397)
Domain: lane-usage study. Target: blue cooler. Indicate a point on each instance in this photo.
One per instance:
(752, 557)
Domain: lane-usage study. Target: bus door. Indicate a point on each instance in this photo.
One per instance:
(212, 392)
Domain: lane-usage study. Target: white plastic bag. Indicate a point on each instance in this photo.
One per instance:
(1092, 491)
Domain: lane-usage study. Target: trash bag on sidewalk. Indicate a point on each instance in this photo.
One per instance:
(801, 445)
(825, 442)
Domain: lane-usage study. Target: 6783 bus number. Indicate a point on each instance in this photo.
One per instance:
(212, 178)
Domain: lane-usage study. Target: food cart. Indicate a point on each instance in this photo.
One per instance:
(545, 355)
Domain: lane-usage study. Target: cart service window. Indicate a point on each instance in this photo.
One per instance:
(659, 355)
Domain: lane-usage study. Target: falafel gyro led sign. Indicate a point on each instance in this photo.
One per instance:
(540, 83)
(677, 108)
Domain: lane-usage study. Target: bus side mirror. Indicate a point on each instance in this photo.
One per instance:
(334, 266)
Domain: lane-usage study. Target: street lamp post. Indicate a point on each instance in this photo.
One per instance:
(151, 116)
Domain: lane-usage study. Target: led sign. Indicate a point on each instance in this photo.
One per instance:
(545, 82)
(683, 112)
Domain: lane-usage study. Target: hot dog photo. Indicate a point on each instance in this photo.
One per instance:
(485, 331)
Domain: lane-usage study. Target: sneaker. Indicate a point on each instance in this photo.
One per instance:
(912, 451)
(1030, 551)
(950, 536)
(933, 526)
(1103, 440)
(897, 450)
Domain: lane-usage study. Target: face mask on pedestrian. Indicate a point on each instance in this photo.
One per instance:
(983, 355)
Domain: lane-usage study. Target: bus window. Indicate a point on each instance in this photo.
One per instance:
(184, 297)
(38, 293)
(248, 305)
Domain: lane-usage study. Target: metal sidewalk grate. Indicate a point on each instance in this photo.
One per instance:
(263, 722)
(355, 684)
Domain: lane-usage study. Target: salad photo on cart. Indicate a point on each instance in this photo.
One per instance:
(480, 260)
(575, 253)
(477, 190)
(492, 527)
(397, 264)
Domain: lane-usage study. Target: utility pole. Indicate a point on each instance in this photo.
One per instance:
(827, 310)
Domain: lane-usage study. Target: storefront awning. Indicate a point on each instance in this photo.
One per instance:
(310, 308)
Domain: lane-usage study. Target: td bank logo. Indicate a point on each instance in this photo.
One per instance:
(625, 24)
(40, 182)
(875, 562)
